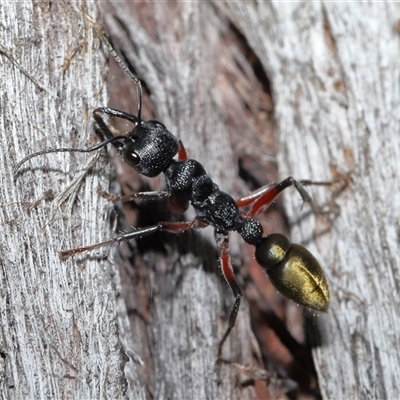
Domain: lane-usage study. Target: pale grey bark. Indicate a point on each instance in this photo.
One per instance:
(59, 333)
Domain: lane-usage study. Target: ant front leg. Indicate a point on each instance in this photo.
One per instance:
(105, 129)
(103, 126)
(227, 271)
(115, 113)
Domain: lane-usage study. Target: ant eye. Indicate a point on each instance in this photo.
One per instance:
(155, 122)
(131, 157)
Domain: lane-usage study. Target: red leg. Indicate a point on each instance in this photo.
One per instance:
(262, 202)
(172, 227)
(182, 154)
(227, 271)
(174, 204)
(253, 196)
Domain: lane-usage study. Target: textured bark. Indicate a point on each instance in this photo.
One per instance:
(59, 335)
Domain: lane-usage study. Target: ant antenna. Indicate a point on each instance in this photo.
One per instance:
(63, 150)
(111, 140)
(117, 58)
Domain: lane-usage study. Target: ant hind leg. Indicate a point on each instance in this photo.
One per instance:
(227, 272)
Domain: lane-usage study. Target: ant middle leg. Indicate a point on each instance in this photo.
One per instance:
(171, 227)
(144, 196)
(175, 205)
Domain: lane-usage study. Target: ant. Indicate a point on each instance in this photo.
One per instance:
(150, 150)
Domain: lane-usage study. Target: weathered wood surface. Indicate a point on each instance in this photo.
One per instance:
(59, 333)
(333, 71)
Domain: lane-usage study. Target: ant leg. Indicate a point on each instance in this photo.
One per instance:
(227, 271)
(103, 126)
(253, 196)
(264, 197)
(307, 182)
(172, 227)
(144, 196)
(182, 154)
(174, 205)
(106, 131)
(116, 113)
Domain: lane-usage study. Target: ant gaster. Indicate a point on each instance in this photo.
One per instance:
(150, 150)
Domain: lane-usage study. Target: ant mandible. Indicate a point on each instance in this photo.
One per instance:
(150, 150)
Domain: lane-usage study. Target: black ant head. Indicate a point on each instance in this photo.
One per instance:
(149, 148)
